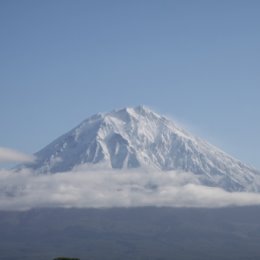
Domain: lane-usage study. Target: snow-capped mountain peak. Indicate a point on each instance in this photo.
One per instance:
(137, 137)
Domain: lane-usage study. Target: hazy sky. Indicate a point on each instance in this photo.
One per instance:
(196, 61)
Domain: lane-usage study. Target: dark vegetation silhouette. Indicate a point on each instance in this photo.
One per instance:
(66, 258)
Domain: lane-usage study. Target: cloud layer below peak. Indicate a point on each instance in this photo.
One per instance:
(98, 188)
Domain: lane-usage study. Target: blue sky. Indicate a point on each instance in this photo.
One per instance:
(196, 61)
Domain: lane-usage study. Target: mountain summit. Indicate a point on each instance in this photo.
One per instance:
(138, 137)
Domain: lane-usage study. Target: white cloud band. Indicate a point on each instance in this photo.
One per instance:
(105, 188)
(9, 155)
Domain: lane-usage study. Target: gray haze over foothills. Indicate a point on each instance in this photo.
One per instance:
(131, 233)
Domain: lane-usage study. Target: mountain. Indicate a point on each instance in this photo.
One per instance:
(140, 138)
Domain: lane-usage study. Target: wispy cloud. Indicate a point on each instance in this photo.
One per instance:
(104, 188)
(8, 155)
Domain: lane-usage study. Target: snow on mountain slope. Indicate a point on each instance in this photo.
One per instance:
(138, 137)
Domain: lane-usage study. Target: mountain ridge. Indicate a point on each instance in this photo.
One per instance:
(138, 137)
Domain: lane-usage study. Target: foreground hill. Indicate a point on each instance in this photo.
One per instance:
(136, 233)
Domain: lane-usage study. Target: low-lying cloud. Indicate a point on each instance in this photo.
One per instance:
(8, 155)
(108, 188)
